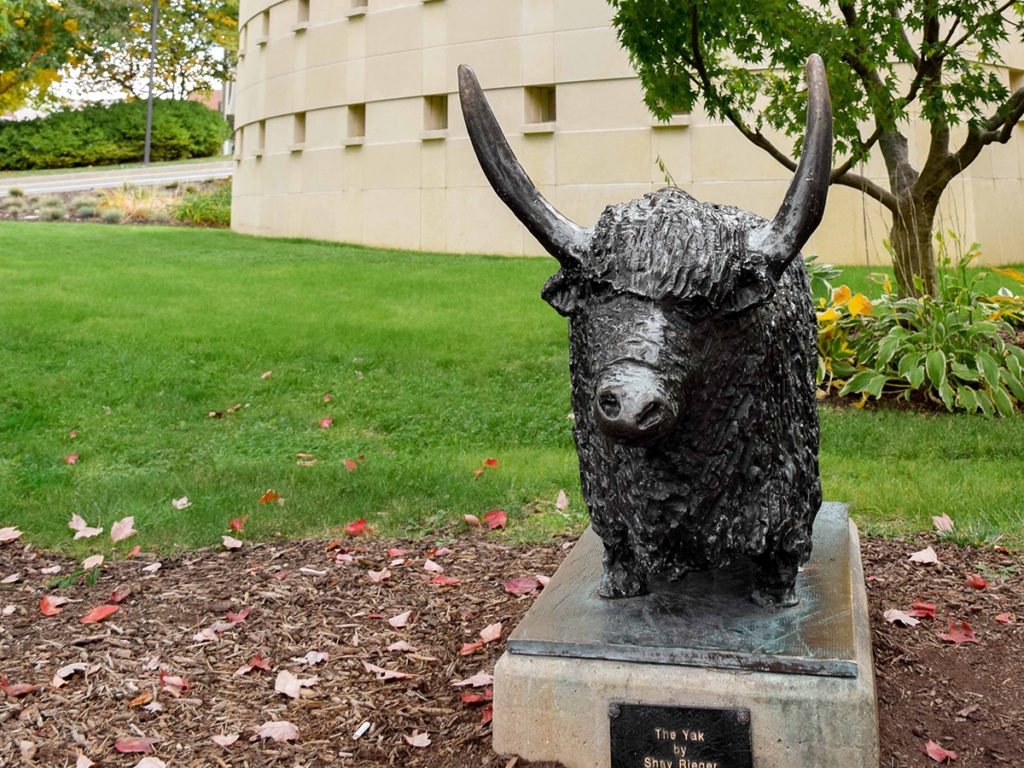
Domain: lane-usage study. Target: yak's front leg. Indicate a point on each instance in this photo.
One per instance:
(622, 576)
(775, 579)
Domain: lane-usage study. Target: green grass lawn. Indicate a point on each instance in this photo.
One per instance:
(132, 336)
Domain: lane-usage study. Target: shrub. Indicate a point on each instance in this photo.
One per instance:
(87, 211)
(16, 205)
(159, 217)
(207, 208)
(16, 192)
(136, 203)
(51, 201)
(956, 349)
(99, 135)
(113, 215)
(81, 200)
(53, 213)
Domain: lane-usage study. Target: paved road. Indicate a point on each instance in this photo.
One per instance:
(162, 174)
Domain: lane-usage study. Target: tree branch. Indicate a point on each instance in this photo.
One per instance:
(972, 29)
(999, 128)
(869, 188)
(754, 136)
(840, 170)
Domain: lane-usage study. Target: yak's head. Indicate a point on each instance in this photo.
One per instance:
(654, 270)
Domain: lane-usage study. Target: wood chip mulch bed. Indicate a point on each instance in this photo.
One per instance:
(969, 698)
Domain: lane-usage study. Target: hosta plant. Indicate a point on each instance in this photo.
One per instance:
(957, 348)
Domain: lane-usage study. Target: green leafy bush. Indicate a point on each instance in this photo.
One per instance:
(53, 213)
(113, 215)
(16, 205)
(16, 192)
(87, 211)
(207, 208)
(957, 349)
(101, 135)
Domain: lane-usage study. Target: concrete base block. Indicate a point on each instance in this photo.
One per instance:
(557, 708)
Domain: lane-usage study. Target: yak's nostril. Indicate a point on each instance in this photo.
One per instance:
(650, 415)
(609, 404)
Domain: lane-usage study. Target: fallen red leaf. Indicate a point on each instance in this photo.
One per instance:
(350, 465)
(51, 606)
(237, 524)
(361, 457)
(478, 698)
(471, 519)
(490, 463)
(922, 610)
(961, 634)
(269, 496)
(72, 459)
(173, 683)
(73, 434)
(135, 551)
(478, 472)
(326, 423)
(16, 690)
(469, 648)
(487, 714)
(495, 519)
(491, 633)
(942, 523)
(327, 398)
(522, 585)
(937, 753)
(99, 614)
(974, 581)
(1003, 618)
(119, 594)
(238, 618)
(445, 581)
(926, 556)
(385, 674)
(134, 744)
(356, 528)
(396, 553)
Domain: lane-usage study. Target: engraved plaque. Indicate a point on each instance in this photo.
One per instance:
(679, 737)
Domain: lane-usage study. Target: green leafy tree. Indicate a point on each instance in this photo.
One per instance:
(888, 61)
(197, 45)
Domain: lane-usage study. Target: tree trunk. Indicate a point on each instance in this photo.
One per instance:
(911, 238)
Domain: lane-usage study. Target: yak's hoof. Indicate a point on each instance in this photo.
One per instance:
(784, 597)
(621, 583)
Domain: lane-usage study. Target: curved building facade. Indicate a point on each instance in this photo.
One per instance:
(348, 128)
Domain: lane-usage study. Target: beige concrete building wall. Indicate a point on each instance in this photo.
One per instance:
(349, 129)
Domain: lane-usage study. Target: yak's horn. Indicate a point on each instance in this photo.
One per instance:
(563, 239)
(782, 238)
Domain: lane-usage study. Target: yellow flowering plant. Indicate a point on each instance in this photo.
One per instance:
(956, 349)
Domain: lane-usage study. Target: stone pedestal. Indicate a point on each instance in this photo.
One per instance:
(801, 678)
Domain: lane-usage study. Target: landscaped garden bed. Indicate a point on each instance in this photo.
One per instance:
(145, 365)
(202, 204)
(174, 664)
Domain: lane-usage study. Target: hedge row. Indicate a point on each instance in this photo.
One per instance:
(101, 135)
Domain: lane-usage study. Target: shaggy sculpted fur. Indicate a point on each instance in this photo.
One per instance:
(670, 293)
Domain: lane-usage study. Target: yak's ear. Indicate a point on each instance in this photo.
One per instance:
(562, 293)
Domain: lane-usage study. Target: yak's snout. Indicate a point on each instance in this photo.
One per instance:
(631, 405)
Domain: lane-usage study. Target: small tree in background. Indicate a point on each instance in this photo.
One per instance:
(885, 58)
(38, 38)
(197, 47)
